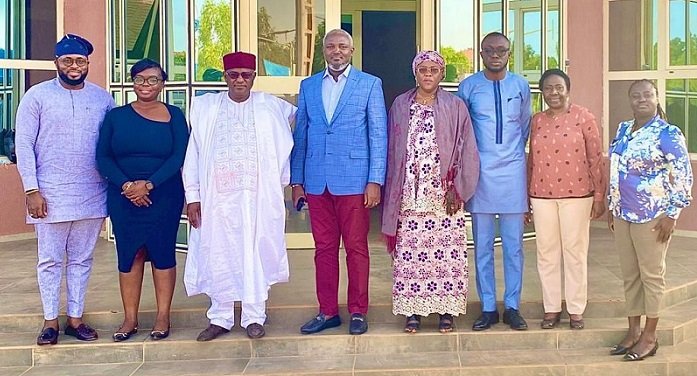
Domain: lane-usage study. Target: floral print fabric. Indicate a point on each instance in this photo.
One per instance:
(430, 262)
(650, 172)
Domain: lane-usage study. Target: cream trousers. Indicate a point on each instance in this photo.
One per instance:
(562, 233)
(643, 263)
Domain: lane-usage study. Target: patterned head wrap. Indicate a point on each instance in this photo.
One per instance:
(422, 56)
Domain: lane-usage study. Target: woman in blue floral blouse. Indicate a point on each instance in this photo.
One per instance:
(650, 183)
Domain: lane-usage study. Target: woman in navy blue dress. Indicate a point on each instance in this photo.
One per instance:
(140, 152)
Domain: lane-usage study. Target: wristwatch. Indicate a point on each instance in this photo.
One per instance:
(148, 185)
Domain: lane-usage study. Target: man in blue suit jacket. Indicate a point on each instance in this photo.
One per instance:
(338, 164)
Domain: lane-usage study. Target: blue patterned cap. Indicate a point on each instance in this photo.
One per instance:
(73, 44)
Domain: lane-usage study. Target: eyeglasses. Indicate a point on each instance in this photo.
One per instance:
(552, 88)
(432, 70)
(152, 80)
(234, 75)
(495, 51)
(69, 61)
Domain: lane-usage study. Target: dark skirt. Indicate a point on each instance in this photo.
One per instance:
(154, 227)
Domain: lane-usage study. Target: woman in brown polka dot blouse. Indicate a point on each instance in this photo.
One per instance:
(567, 187)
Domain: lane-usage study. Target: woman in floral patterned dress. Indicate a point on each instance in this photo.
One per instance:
(432, 169)
(650, 183)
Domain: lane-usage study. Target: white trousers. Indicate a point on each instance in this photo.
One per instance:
(71, 241)
(222, 313)
(562, 228)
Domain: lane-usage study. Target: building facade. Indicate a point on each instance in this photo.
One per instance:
(602, 44)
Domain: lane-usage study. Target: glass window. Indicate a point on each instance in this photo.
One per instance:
(213, 37)
(525, 32)
(6, 105)
(537, 100)
(6, 26)
(633, 35)
(116, 61)
(553, 43)
(681, 108)
(290, 37)
(683, 32)
(142, 31)
(457, 40)
(130, 96)
(118, 97)
(178, 98)
(492, 17)
(198, 92)
(177, 39)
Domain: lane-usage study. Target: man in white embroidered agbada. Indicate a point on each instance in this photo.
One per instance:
(237, 163)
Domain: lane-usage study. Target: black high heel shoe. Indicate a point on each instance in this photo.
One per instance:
(633, 356)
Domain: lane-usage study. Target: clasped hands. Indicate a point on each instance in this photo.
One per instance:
(136, 192)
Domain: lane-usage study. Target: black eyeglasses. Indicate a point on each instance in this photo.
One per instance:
(152, 80)
(69, 61)
(432, 70)
(234, 75)
(495, 51)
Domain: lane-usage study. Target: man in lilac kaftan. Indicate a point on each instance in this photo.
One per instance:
(57, 127)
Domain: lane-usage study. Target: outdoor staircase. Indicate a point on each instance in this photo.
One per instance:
(383, 350)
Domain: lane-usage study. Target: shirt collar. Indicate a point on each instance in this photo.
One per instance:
(345, 73)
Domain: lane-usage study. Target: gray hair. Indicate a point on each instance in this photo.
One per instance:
(339, 32)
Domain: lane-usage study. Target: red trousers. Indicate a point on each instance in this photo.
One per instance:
(333, 218)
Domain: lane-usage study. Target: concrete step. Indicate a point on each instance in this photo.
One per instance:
(18, 349)
(194, 316)
(670, 361)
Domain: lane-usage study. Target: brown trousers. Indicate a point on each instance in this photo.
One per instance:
(643, 263)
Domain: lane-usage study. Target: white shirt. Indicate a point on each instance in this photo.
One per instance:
(331, 91)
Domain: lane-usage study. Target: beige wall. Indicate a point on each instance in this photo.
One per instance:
(585, 53)
(90, 22)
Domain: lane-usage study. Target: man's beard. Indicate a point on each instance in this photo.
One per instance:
(340, 68)
(72, 82)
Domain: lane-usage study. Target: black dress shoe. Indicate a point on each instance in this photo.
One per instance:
(359, 324)
(320, 323)
(48, 336)
(486, 320)
(210, 333)
(513, 318)
(83, 332)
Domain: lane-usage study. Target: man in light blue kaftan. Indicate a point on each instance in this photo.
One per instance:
(499, 104)
(58, 123)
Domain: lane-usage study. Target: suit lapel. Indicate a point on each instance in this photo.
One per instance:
(346, 94)
(317, 93)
